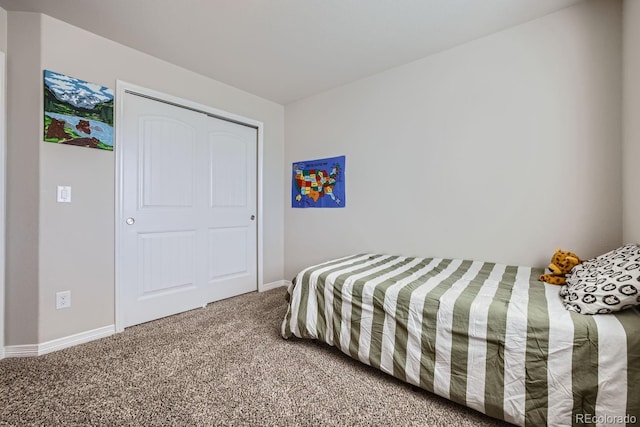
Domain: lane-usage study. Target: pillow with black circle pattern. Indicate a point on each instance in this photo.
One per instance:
(605, 284)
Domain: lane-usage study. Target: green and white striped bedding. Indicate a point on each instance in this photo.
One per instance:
(489, 336)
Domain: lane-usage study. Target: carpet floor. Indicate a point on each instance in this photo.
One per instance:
(224, 365)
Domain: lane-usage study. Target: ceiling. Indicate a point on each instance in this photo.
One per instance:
(285, 50)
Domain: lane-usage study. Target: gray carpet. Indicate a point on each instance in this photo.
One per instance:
(225, 365)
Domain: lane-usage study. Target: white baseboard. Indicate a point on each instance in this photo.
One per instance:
(30, 350)
(273, 285)
(26, 350)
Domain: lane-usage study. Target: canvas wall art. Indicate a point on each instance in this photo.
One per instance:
(319, 183)
(77, 112)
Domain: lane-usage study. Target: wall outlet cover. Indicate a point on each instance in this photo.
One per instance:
(63, 299)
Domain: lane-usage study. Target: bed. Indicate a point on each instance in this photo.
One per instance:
(486, 335)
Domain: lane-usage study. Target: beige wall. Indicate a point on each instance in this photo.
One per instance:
(23, 155)
(3, 30)
(3, 122)
(75, 243)
(500, 149)
(631, 128)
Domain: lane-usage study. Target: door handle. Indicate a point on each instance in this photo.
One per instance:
(252, 217)
(130, 221)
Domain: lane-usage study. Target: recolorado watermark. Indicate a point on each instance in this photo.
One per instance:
(605, 419)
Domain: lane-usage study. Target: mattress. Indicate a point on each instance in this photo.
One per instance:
(489, 336)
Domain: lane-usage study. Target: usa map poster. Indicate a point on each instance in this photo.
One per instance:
(318, 183)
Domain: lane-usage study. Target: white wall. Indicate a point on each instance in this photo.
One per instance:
(500, 149)
(631, 147)
(75, 242)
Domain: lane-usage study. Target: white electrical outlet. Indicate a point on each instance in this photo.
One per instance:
(63, 299)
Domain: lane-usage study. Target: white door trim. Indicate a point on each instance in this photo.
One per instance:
(122, 88)
(3, 168)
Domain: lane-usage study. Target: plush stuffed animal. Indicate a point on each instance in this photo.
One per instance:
(561, 263)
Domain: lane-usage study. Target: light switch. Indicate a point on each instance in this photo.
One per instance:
(64, 194)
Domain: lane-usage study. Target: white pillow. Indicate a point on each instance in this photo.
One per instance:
(605, 284)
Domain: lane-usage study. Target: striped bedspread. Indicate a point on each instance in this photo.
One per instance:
(486, 335)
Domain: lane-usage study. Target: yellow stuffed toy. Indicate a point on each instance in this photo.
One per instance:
(561, 263)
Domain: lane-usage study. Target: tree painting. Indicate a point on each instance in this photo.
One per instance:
(77, 112)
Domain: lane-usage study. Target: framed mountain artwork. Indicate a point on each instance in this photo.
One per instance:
(77, 112)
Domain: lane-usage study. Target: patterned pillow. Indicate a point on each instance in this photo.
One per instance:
(605, 284)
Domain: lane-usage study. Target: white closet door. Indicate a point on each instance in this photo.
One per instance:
(230, 216)
(189, 191)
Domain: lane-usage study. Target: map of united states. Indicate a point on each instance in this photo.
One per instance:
(316, 183)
